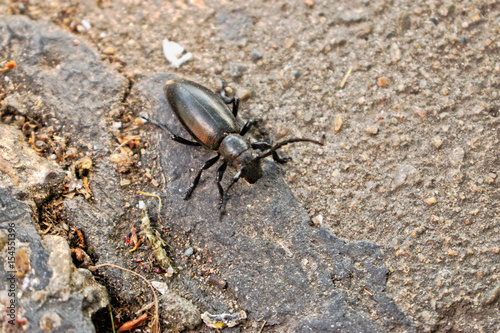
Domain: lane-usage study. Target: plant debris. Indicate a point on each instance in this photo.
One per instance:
(154, 240)
(222, 320)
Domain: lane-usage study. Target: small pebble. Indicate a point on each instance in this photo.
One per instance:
(420, 112)
(395, 52)
(430, 201)
(353, 16)
(371, 130)
(457, 156)
(255, 56)
(437, 142)
(318, 220)
(404, 22)
(189, 252)
(243, 94)
(382, 82)
(309, 3)
(337, 123)
(491, 296)
(405, 174)
(237, 70)
(80, 29)
(289, 43)
(125, 182)
(109, 51)
(217, 281)
(86, 25)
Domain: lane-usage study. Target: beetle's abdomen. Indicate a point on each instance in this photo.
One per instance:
(202, 113)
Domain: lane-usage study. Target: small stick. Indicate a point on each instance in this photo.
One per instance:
(345, 77)
(262, 327)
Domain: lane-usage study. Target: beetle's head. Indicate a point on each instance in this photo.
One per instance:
(236, 151)
(249, 164)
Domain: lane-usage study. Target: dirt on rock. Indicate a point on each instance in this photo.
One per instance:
(406, 94)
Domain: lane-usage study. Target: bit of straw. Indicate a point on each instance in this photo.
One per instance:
(152, 195)
(345, 77)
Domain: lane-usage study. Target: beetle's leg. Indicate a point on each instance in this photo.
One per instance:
(224, 196)
(264, 145)
(172, 135)
(205, 166)
(220, 173)
(184, 141)
(235, 100)
(246, 127)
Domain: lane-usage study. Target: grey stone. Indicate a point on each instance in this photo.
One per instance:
(48, 296)
(178, 310)
(405, 174)
(353, 15)
(256, 55)
(237, 70)
(68, 77)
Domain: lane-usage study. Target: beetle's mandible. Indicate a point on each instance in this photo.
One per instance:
(207, 117)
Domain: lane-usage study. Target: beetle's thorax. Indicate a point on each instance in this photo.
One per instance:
(237, 151)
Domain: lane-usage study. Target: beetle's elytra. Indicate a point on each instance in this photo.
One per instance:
(207, 117)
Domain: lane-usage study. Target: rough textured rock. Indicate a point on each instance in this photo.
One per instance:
(279, 268)
(61, 78)
(65, 83)
(68, 84)
(51, 295)
(22, 170)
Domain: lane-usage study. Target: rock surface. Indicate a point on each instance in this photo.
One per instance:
(51, 296)
(424, 188)
(277, 267)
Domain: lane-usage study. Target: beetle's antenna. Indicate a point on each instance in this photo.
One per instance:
(160, 125)
(277, 146)
(224, 196)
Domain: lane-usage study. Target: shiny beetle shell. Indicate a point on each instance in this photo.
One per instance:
(202, 113)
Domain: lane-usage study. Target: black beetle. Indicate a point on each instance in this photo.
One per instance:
(207, 117)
